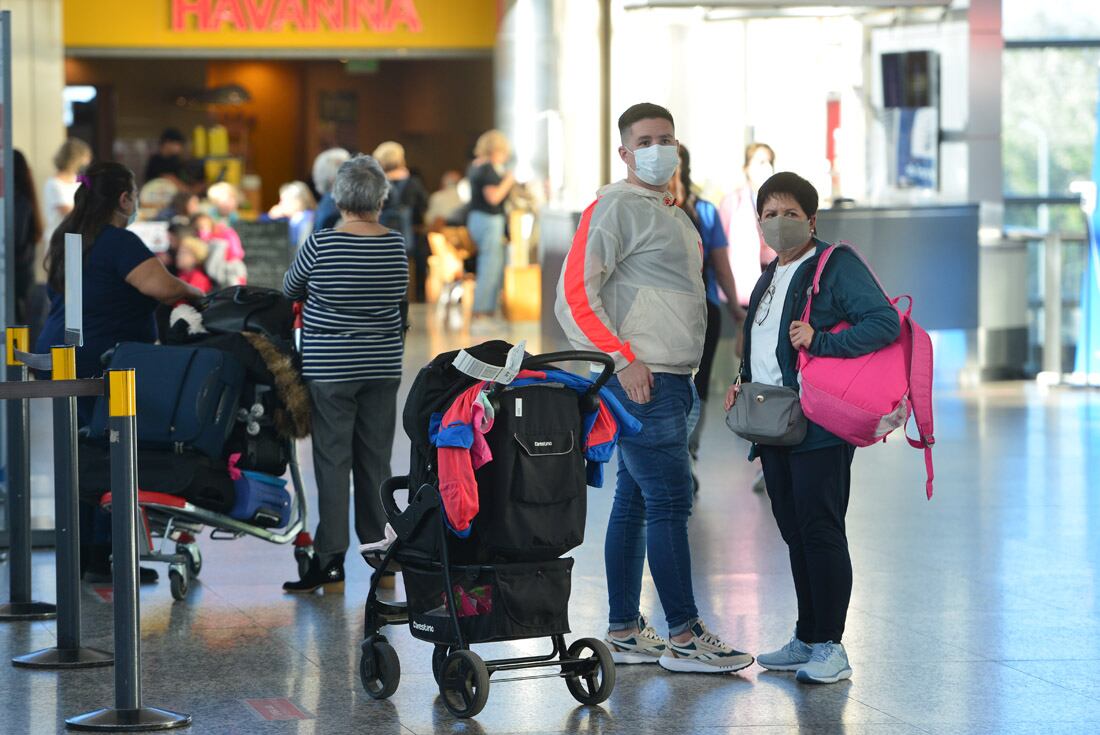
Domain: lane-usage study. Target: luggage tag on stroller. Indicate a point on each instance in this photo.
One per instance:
(481, 370)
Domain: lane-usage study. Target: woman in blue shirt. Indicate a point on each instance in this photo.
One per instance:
(122, 280)
(122, 284)
(716, 274)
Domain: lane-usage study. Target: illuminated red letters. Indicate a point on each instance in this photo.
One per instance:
(253, 16)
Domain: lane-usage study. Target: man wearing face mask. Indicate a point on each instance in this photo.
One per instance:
(808, 484)
(632, 287)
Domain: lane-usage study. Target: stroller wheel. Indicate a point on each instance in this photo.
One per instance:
(439, 655)
(379, 668)
(593, 682)
(194, 557)
(179, 584)
(464, 683)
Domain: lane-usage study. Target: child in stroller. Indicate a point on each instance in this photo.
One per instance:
(480, 542)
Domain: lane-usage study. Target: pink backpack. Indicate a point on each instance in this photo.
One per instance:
(862, 399)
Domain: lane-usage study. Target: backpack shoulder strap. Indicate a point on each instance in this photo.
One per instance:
(920, 394)
(822, 260)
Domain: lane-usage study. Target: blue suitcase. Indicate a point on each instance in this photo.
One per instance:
(261, 499)
(186, 396)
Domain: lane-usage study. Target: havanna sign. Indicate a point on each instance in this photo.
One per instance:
(260, 16)
(273, 28)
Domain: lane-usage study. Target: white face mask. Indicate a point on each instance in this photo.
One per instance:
(132, 218)
(655, 164)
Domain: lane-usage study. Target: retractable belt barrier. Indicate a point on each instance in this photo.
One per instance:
(18, 394)
(128, 714)
(68, 653)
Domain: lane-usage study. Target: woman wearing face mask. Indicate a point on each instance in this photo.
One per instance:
(490, 184)
(808, 484)
(749, 254)
(122, 281)
(122, 284)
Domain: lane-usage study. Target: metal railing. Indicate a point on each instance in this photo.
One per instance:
(1057, 264)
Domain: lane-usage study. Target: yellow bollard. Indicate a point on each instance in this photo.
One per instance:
(122, 393)
(18, 338)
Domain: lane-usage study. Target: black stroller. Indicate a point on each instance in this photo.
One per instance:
(507, 580)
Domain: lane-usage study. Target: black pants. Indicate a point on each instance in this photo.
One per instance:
(809, 493)
(710, 348)
(702, 376)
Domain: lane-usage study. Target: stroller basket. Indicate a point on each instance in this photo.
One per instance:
(495, 603)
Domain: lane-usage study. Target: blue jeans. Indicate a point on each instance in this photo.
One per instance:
(487, 232)
(653, 498)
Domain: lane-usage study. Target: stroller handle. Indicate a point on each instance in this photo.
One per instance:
(548, 359)
(405, 522)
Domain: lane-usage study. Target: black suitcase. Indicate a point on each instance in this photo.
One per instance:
(195, 478)
(186, 396)
(249, 309)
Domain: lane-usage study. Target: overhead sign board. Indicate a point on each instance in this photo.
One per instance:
(281, 27)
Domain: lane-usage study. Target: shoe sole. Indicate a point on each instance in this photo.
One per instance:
(628, 658)
(807, 679)
(782, 667)
(691, 666)
(328, 587)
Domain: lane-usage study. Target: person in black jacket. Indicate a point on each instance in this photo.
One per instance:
(809, 484)
(28, 231)
(404, 208)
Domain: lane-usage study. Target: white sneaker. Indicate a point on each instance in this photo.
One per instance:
(828, 665)
(644, 647)
(704, 653)
(790, 657)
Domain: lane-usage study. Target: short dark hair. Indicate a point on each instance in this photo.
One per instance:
(642, 111)
(790, 184)
(172, 135)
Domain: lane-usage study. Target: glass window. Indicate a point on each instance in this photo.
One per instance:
(1049, 118)
(1024, 19)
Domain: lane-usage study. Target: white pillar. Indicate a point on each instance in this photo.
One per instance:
(983, 130)
(38, 80)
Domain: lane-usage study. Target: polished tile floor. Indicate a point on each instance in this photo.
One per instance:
(976, 612)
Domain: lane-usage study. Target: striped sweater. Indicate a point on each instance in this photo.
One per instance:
(353, 286)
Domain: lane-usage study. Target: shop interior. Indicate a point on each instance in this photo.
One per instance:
(278, 114)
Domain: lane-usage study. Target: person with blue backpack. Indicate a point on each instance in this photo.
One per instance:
(809, 483)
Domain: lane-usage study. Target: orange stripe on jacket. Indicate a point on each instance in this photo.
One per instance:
(577, 296)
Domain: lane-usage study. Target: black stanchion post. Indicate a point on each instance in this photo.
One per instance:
(68, 654)
(21, 606)
(128, 714)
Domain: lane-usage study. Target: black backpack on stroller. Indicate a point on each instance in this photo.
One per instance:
(505, 580)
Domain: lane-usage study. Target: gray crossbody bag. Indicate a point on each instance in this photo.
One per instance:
(767, 414)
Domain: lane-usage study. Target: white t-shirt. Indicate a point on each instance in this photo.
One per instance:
(768, 321)
(57, 193)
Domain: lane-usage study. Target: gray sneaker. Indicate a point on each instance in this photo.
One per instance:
(705, 653)
(790, 657)
(644, 647)
(828, 665)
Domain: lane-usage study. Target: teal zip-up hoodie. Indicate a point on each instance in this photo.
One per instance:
(849, 294)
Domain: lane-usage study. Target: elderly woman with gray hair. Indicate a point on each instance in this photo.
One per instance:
(353, 280)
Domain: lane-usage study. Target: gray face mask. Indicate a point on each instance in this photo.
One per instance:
(784, 233)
